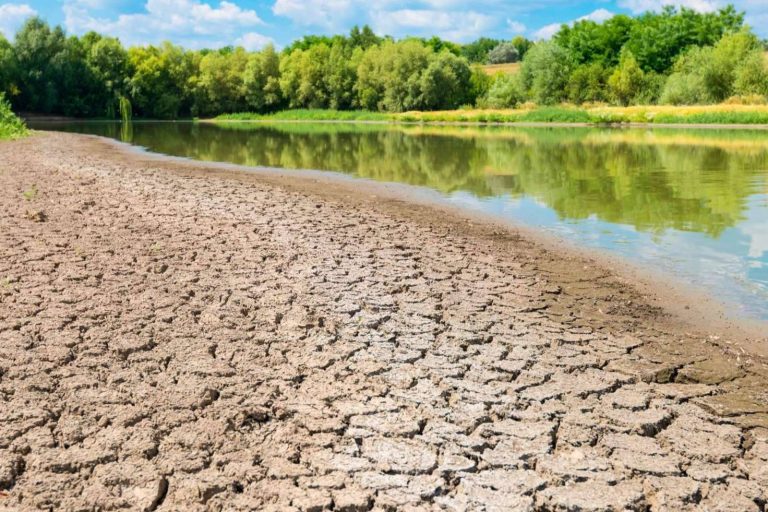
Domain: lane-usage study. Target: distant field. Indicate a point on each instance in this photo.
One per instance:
(507, 69)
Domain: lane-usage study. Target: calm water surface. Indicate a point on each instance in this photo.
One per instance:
(693, 203)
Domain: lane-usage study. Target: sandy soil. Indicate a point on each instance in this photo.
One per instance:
(176, 336)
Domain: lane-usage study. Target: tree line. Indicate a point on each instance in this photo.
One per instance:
(674, 56)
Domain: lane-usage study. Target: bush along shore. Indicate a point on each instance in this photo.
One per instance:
(672, 57)
(11, 127)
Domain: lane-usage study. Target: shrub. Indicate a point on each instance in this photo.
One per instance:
(587, 84)
(751, 76)
(11, 126)
(505, 92)
(480, 83)
(650, 92)
(683, 89)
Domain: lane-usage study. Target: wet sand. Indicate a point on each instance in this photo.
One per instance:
(181, 336)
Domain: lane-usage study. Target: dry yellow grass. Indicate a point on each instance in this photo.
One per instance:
(507, 69)
(644, 113)
(722, 114)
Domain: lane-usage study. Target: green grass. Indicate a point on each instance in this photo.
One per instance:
(714, 118)
(707, 114)
(11, 127)
(557, 115)
(308, 115)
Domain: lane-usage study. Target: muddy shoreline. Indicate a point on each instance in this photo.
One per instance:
(176, 334)
(681, 307)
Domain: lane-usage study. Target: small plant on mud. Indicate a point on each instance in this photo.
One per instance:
(30, 194)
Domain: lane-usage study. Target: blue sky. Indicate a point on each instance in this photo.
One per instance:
(254, 23)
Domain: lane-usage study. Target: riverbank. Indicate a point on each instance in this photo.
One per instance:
(177, 334)
(722, 115)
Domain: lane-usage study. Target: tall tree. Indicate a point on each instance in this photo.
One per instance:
(39, 54)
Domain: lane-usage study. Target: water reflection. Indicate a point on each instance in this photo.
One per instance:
(692, 202)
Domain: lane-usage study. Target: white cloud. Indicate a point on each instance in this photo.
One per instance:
(598, 16)
(547, 31)
(324, 13)
(451, 25)
(12, 16)
(193, 21)
(451, 19)
(515, 26)
(640, 6)
(253, 41)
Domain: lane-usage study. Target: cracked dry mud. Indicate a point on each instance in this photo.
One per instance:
(180, 337)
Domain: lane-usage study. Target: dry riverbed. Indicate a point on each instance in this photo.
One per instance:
(176, 336)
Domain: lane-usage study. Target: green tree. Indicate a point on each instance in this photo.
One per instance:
(8, 69)
(476, 52)
(163, 82)
(389, 76)
(220, 86)
(341, 75)
(108, 61)
(438, 45)
(713, 70)
(522, 45)
(724, 61)
(39, 52)
(445, 83)
(626, 82)
(544, 73)
(363, 38)
(751, 76)
(588, 83)
(302, 77)
(480, 83)
(656, 39)
(588, 41)
(261, 80)
(80, 91)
